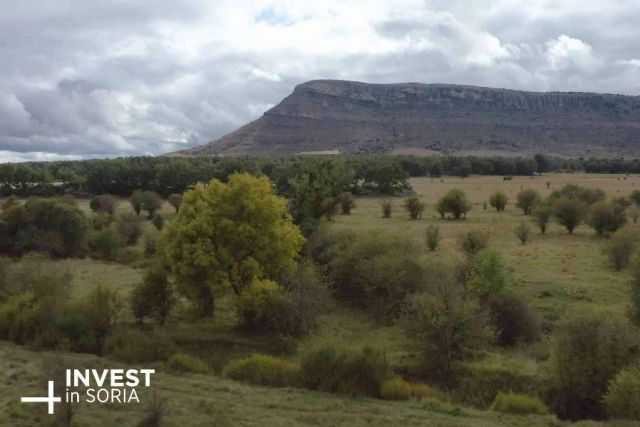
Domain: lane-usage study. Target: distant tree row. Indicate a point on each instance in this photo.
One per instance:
(366, 173)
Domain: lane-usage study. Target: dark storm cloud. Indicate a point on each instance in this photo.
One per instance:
(94, 78)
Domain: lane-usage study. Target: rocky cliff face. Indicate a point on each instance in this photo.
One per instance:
(351, 117)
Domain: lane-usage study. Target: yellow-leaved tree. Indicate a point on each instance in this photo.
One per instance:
(227, 235)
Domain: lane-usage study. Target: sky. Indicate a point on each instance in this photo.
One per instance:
(99, 78)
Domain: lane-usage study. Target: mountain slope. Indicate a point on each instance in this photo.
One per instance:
(352, 117)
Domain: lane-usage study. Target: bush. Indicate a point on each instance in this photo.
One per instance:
(635, 197)
(489, 275)
(134, 346)
(498, 201)
(589, 352)
(513, 403)
(606, 218)
(101, 221)
(541, 215)
(145, 200)
(622, 400)
(387, 208)
(433, 237)
(473, 242)
(455, 203)
(260, 305)
(620, 248)
(154, 295)
(634, 312)
(263, 370)
(527, 199)
(414, 206)
(175, 200)
(182, 362)
(356, 374)
(106, 244)
(158, 222)
(150, 245)
(398, 389)
(104, 204)
(515, 322)
(569, 212)
(377, 272)
(446, 320)
(587, 196)
(103, 308)
(347, 203)
(522, 232)
(129, 227)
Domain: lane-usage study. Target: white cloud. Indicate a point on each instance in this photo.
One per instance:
(566, 51)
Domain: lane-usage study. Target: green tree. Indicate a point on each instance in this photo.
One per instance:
(569, 212)
(414, 206)
(527, 199)
(227, 235)
(489, 275)
(175, 200)
(103, 204)
(635, 197)
(154, 295)
(433, 237)
(498, 201)
(606, 217)
(522, 232)
(455, 203)
(541, 215)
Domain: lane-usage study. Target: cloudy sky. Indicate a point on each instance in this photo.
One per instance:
(98, 78)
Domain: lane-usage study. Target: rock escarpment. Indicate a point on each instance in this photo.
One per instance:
(353, 117)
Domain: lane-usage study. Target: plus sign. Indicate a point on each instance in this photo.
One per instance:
(50, 399)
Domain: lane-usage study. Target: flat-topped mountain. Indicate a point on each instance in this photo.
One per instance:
(352, 117)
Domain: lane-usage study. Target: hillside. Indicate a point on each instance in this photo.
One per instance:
(352, 117)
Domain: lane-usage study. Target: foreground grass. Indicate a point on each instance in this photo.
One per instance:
(203, 400)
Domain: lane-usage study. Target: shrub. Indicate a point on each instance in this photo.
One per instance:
(102, 307)
(587, 196)
(489, 275)
(263, 370)
(134, 346)
(145, 200)
(635, 215)
(150, 245)
(106, 244)
(455, 203)
(620, 248)
(260, 304)
(446, 320)
(589, 352)
(158, 222)
(635, 289)
(182, 362)
(541, 214)
(129, 227)
(356, 373)
(569, 212)
(398, 389)
(515, 322)
(377, 272)
(433, 237)
(605, 218)
(104, 204)
(154, 295)
(473, 242)
(414, 206)
(347, 203)
(635, 197)
(387, 208)
(175, 200)
(527, 199)
(522, 232)
(622, 400)
(101, 221)
(9, 202)
(513, 403)
(43, 225)
(498, 201)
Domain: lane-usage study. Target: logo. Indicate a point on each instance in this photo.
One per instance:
(94, 386)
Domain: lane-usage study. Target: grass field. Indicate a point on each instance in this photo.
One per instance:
(557, 273)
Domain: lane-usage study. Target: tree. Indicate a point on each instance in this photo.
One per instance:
(527, 199)
(454, 202)
(227, 235)
(589, 352)
(605, 218)
(473, 241)
(175, 200)
(151, 202)
(635, 289)
(129, 227)
(498, 201)
(569, 212)
(447, 321)
(387, 208)
(635, 197)
(541, 215)
(347, 202)
(103, 204)
(154, 295)
(489, 275)
(620, 248)
(137, 200)
(414, 206)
